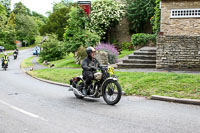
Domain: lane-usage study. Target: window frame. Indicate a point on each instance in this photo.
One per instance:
(185, 13)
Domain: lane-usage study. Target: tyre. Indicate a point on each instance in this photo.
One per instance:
(112, 92)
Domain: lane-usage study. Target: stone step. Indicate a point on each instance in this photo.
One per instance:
(142, 57)
(126, 65)
(138, 61)
(144, 53)
(150, 49)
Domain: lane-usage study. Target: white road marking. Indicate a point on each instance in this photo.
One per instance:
(23, 111)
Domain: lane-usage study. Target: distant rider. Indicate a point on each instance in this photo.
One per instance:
(4, 58)
(89, 66)
(15, 53)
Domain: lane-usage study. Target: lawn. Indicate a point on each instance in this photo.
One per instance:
(68, 61)
(124, 53)
(2, 54)
(139, 83)
(27, 62)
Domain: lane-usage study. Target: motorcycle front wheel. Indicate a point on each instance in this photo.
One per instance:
(112, 92)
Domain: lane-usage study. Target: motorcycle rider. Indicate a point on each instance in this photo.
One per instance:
(5, 57)
(15, 53)
(89, 66)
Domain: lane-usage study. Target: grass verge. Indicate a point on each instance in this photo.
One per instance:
(27, 62)
(68, 61)
(2, 54)
(138, 83)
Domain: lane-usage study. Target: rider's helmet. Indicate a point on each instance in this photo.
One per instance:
(89, 50)
(5, 54)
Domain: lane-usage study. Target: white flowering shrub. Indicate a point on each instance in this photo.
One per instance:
(105, 13)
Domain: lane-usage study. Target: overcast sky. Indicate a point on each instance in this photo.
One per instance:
(40, 6)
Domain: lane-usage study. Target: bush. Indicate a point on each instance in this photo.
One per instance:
(80, 54)
(112, 51)
(126, 45)
(142, 39)
(105, 14)
(52, 49)
(9, 47)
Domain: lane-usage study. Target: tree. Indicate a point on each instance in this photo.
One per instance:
(75, 34)
(39, 19)
(26, 28)
(20, 8)
(7, 5)
(139, 12)
(12, 19)
(56, 23)
(2, 15)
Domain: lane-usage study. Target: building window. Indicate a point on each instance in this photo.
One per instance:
(185, 13)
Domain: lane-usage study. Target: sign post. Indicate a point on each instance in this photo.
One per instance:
(86, 6)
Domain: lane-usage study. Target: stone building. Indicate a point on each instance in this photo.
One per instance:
(178, 44)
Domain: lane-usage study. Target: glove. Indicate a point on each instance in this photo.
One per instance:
(93, 68)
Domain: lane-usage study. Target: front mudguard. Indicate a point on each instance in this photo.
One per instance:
(105, 82)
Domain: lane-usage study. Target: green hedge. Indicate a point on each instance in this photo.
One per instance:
(7, 46)
(142, 39)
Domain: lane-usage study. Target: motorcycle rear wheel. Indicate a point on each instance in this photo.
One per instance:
(110, 89)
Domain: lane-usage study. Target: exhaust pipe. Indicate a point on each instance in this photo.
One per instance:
(71, 88)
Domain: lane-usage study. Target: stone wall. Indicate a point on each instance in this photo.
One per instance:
(102, 57)
(182, 52)
(120, 32)
(179, 26)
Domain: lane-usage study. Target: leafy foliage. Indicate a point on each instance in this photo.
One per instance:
(56, 23)
(26, 28)
(142, 39)
(139, 12)
(7, 5)
(52, 49)
(126, 45)
(7, 32)
(2, 16)
(80, 54)
(104, 14)
(110, 49)
(75, 33)
(155, 20)
(20, 8)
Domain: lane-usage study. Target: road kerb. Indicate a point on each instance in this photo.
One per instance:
(51, 82)
(176, 100)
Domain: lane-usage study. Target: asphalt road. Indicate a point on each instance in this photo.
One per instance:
(31, 106)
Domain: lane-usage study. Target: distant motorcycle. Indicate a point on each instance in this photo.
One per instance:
(5, 65)
(15, 56)
(105, 84)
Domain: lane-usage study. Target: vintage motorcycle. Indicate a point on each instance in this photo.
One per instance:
(105, 84)
(15, 56)
(5, 65)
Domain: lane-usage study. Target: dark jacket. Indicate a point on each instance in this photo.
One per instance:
(90, 62)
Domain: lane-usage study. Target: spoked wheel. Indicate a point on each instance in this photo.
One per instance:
(112, 92)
